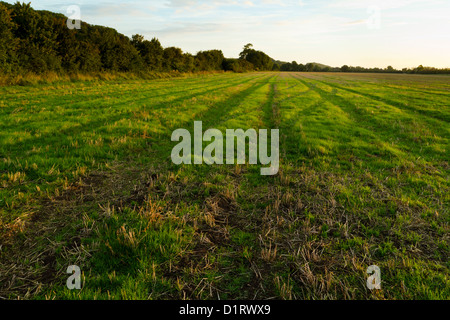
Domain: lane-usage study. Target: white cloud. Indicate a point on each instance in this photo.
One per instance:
(383, 4)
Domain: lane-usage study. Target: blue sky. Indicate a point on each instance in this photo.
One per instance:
(401, 33)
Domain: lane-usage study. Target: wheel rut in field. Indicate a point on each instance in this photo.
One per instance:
(390, 102)
(383, 129)
(111, 119)
(99, 189)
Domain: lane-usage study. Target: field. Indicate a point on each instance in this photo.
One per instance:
(86, 179)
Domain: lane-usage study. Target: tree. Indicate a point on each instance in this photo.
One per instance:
(209, 60)
(247, 49)
(173, 59)
(345, 68)
(136, 40)
(37, 39)
(309, 67)
(151, 52)
(286, 67)
(237, 65)
(258, 59)
(8, 43)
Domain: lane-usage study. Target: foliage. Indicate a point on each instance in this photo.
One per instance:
(315, 67)
(40, 42)
(259, 60)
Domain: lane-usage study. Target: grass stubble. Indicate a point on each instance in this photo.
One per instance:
(86, 179)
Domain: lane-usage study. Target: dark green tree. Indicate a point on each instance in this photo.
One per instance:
(37, 48)
(258, 59)
(345, 68)
(173, 59)
(8, 43)
(247, 49)
(151, 52)
(209, 60)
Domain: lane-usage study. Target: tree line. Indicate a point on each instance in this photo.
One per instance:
(315, 67)
(40, 41)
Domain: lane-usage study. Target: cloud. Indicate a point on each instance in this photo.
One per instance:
(284, 3)
(355, 23)
(383, 4)
(106, 8)
(117, 9)
(216, 4)
(189, 28)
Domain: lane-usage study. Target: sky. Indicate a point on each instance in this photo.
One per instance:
(368, 33)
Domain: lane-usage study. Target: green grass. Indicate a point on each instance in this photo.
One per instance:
(86, 178)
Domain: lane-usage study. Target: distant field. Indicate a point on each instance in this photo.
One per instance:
(86, 178)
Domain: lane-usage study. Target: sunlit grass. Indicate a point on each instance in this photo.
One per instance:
(86, 178)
